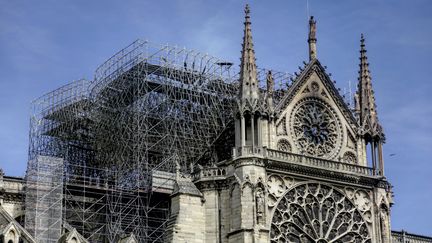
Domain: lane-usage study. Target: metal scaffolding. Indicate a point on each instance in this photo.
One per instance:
(149, 109)
(44, 196)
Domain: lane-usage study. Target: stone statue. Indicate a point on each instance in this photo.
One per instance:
(384, 225)
(312, 28)
(260, 205)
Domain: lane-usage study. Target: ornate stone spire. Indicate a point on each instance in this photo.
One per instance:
(248, 70)
(365, 99)
(312, 39)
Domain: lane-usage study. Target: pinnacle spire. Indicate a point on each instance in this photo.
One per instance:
(248, 72)
(365, 103)
(312, 39)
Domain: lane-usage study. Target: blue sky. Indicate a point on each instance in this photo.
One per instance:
(46, 44)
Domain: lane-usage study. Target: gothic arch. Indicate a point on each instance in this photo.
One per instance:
(11, 233)
(247, 184)
(316, 212)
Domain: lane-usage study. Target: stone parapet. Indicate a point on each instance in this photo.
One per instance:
(405, 237)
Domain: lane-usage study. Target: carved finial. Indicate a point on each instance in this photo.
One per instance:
(248, 73)
(312, 39)
(247, 11)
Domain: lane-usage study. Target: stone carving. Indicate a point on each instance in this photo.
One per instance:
(284, 145)
(317, 213)
(246, 185)
(360, 198)
(323, 93)
(314, 86)
(276, 187)
(260, 205)
(316, 130)
(362, 201)
(351, 142)
(349, 157)
(281, 128)
(384, 224)
(235, 204)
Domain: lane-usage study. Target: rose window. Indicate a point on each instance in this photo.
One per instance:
(315, 213)
(315, 129)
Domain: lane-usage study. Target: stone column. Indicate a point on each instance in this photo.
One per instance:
(380, 158)
(242, 131)
(260, 131)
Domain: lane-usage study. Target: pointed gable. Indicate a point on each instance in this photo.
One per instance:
(11, 229)
(71, 235)
(10, 233)
(129, 239)
(314, 67)
(313, 102)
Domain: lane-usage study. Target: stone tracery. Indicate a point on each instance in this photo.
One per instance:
(349, 157)
(281, 127)
(317, 213)
(315, 86)
(284, 145)
(316, 130)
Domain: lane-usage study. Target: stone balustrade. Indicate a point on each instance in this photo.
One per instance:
(405, 237)
(210, 173)
(317, 162)
(248, 151)
(286, 157)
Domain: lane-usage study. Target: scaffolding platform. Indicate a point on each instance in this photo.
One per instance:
(120, 137)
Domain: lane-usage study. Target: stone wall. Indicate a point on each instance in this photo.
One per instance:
(12, 195)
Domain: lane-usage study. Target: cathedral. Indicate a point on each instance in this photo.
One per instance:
(155, 150)
(299, 169)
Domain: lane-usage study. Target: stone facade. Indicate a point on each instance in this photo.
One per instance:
(12, 210)
(246, 197)
(12, 195)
